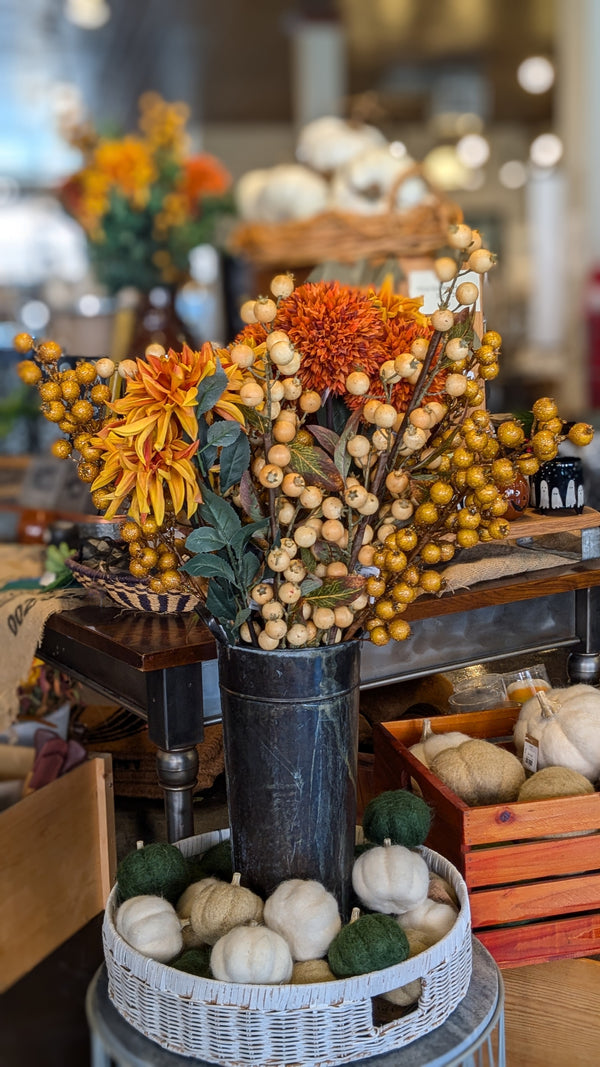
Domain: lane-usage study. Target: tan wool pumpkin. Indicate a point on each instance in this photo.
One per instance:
(308, 971)
(555, 782)
(223, 906)
(480, 772)
(306, 914)
(191, 894)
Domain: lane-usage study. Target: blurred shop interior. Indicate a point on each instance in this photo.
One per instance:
(497, 99)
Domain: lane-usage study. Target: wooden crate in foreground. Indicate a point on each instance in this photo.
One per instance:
(58, 865)
(532, 869)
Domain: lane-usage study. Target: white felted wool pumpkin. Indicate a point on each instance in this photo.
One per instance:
(150, 925)
(329, 142)
(364, 184)
(247, 191)
(566, 725)
(480, 772)
(431, 917)
(390, 879)
(223, 906)
(306, 914)
(291, 191)
(252, 954)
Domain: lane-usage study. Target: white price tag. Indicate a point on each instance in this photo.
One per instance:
(530, 754)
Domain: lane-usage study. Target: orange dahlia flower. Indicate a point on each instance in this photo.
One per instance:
(204, 175)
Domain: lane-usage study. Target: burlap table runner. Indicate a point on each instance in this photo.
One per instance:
(23, 615)
(483, 563)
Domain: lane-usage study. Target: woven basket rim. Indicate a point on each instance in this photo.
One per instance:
(124, 588)
(278, 997)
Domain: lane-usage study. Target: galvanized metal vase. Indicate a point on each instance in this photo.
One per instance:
(290, 734)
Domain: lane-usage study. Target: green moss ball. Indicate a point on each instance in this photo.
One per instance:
(194, 961)
(399, 815)
(216, 862)
(156, 870)
(369, 944)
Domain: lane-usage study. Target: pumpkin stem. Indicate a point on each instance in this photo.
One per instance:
(387, 842)
(355, 915)
(426, 730)
(236, 878)
(139, 844)
(546, 706)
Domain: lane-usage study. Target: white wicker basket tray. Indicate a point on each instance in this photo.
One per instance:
(314, 1025)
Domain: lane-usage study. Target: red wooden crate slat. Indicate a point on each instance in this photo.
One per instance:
(533, 900)
(534, 859)
(519, 946)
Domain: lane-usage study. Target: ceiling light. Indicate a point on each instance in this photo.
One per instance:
(473, 150)
(513, 174)
(535, 74)
(546, 150)
(87, 14)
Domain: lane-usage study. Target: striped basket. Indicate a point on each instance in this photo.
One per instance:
(129, 592)
(316, 1025)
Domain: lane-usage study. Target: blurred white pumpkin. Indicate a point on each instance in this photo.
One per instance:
(247, 191)
(283, 193)
(326, 143)
(363, 185)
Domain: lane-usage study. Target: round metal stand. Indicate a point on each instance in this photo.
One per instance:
(473, 1036)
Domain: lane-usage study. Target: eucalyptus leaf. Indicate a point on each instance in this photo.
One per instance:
(341, 457)
(241, 538)
(234, 461)
(209, 566)
(215, 511)
(204, 539)
(223, 433)
(211, 389)
(249, 568)
(220, 602)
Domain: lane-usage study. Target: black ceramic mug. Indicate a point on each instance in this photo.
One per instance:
(557, 488)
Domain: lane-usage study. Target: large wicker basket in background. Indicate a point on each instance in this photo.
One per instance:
(346, 238)
(318, 1025)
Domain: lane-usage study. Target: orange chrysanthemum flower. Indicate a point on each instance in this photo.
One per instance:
(337, 329)
(204, 175)
(144, 481)
(403, 322)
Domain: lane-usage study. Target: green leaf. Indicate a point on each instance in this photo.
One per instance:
(207, 566)
(220, 602)
(204, 539)
(341, 458)
(241, 618)
(234, 461)
(223, 433)
(315, 465)
(210, 390)
(249, 568)
(241, 538)
(215, 511)
(310, 584)
(336, 591)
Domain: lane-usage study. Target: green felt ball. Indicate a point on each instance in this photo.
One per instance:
(368, 944)
(194, 961)
(156, 870)
(216, 862)
(397, 815)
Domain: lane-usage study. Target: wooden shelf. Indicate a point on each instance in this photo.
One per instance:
(530, 524)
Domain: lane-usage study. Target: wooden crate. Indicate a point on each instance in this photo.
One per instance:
(534, 897)
(58, 865)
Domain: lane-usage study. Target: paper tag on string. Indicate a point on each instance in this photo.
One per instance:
(530, 754)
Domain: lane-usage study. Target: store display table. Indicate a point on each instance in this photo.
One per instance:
(473, 1036)
(164, 667)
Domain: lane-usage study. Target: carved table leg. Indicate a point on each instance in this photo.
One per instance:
(177, 775)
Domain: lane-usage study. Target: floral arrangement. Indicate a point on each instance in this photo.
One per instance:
(310, 480)
(143, 202)
(44, 691)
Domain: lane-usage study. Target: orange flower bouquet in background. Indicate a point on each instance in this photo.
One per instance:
(308, 482)
(142, 200)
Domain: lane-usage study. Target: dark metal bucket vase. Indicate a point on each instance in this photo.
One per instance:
(290, 733)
